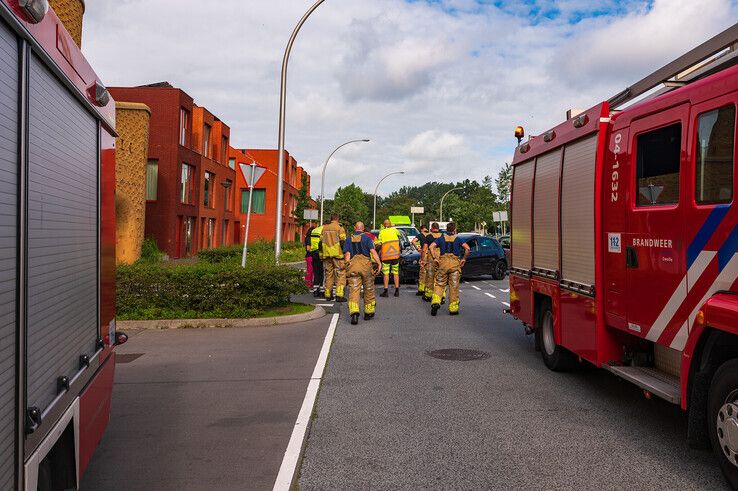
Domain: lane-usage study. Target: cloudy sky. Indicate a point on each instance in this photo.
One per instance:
(437, 85)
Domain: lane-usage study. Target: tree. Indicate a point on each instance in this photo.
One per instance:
(503, 182)
(303, 201)
(349, 204)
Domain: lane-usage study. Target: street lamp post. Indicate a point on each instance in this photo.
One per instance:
(282, 111)
(374, 219)
(322, 174)
(440, 211)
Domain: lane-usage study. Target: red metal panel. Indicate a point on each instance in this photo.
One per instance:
(521, 299)
(94, 411)
(578, 315)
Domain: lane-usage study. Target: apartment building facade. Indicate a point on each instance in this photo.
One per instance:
(190, 187)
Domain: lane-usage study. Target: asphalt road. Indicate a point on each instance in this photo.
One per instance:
(391, 417)
(205, 409)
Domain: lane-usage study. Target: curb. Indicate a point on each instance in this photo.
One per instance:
(317, 313)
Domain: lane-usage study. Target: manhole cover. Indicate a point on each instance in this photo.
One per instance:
(127, 357)
(455, 354)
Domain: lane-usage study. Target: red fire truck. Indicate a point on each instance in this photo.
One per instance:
(57, 252)
(625, 240)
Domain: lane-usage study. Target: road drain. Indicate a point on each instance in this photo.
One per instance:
(456, 354)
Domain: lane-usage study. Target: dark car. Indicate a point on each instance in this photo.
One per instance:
(407, 249)
(504, 241)
(487, 257)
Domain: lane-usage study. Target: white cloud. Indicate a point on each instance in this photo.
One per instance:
(437, 87)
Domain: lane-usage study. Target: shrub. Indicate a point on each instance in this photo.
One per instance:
(150, 251)
(203, 290)
(261, 251)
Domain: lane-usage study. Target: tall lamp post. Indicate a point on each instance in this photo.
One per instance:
(374, 219)
(282, 110)
(440, 211)
(322, 174)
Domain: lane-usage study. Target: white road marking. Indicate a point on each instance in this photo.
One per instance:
(505, 304)
(505, 291)
(466, 282)
(324, 304)
(490, 295)
(291, 460)
(476, 287)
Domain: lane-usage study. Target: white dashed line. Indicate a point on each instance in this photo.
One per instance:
(466, 282)
(476, 287)
(288, 469)
(505, 304)
(490, 295)
(505, 291)
(324, 304)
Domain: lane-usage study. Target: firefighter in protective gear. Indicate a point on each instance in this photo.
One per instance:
(389, 241)
(332, 240)
(450, 262)
(419, 244)
(315, 236)
(357, 253)
(429, 261)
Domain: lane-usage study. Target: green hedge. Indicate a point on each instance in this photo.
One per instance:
(260, 252)
(203, 290)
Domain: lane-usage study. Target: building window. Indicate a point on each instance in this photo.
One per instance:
(184, 124)
(229, 195)
(206, 140)
(152, 179)
(657, 166)
(232, 163)
(187, 185)
(223, 149)
(714, 156)
(189, 224)
(258, 202)
(210, 233)
(207, 190)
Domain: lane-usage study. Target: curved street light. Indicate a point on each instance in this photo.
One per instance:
(440, 211)
(322, 174)
(374, 219)
(282, 110)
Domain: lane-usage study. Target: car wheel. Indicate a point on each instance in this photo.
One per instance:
(554, 356)
(499, 270)
(722, 419)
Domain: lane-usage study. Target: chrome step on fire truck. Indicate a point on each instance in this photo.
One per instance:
(57, 252)
(625, 240)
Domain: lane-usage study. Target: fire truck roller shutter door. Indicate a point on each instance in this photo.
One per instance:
(521, 215)
(577, 212)
(8, 275)
(62, 234)
(546, 212)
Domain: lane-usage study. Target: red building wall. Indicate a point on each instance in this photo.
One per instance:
(166, 216)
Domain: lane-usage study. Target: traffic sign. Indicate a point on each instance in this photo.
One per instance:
(252, 172)
(417, 209)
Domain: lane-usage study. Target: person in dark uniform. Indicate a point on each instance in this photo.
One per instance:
(358, 251)
(450, 262)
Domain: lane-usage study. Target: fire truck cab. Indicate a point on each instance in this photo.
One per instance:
(625, 240)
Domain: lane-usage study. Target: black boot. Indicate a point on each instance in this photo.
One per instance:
(397, 292)
(419, 293)
(354, 319)
(454, 313)
(317, 293)
(368, 317)
(427, 299)
(434, 309)
(340, 299)
(384, 294)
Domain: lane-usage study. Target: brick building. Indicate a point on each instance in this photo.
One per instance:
(263, 216)
(190, 191)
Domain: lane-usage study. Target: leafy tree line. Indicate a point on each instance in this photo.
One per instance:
(469, 206)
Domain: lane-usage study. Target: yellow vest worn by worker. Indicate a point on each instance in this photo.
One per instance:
(390, 240)
(315, 238)
(331, 238)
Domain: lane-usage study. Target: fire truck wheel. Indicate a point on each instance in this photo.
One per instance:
(723, 419)
(555, 357)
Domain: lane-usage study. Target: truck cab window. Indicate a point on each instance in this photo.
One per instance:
(657, 166)
(714, 156)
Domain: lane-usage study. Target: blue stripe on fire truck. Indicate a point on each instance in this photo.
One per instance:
(728, 249)
(703, 236)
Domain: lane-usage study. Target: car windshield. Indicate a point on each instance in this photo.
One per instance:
(412, 231)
